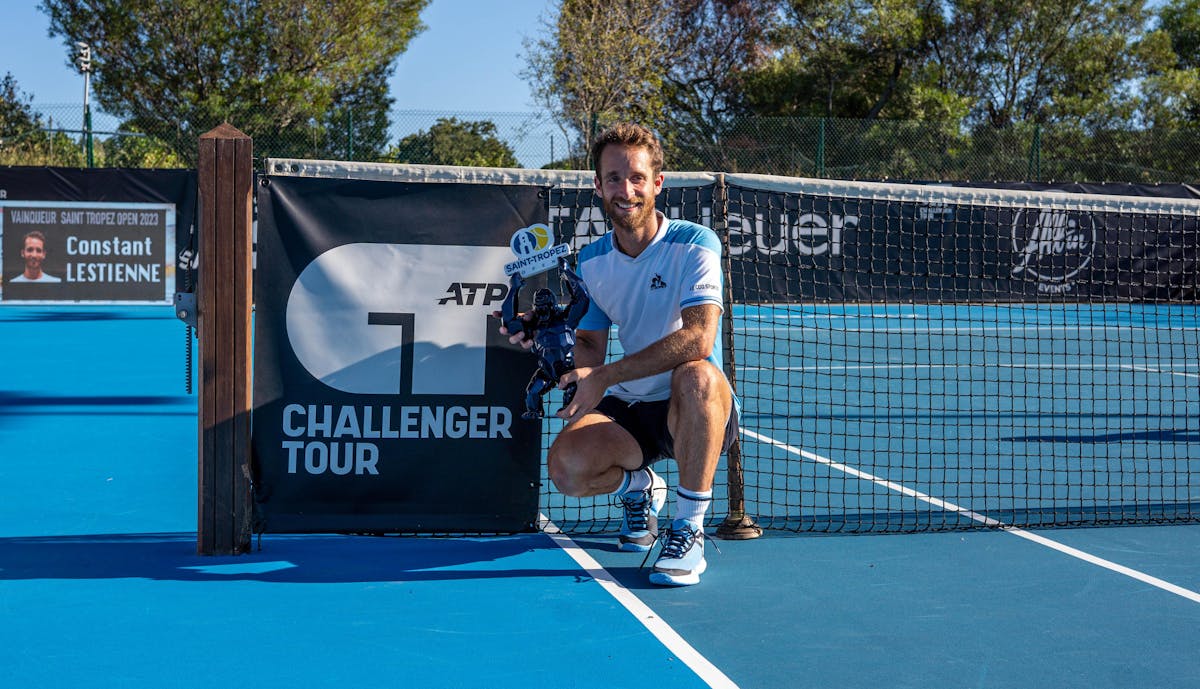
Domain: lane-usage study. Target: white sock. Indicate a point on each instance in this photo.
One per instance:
(634, 481)
(692, 504)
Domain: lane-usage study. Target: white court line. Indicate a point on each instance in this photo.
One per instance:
(1153, 369)
(983, 519)
(833, 368)
(675, 643)
(951, 329)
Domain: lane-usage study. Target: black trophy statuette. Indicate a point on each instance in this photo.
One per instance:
(551, 326)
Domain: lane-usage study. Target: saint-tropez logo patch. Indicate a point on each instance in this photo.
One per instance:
(531, 246)
(1052, 246)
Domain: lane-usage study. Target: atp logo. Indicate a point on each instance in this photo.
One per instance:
(365, 318)
(1052, 246)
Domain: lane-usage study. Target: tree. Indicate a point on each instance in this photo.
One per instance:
(25, 138)
(273, 68)
(599, 62)
(1172, 88)
(450, 142)
(17, 118)
(132, 148)
(356, 124)
(1181, 22)
(668, 64)
(715, 45)
(851, 59)
(1039, 61)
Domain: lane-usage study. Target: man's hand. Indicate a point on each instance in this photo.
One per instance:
(589, 390)
(522, 338)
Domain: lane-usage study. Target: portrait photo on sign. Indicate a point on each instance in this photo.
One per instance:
(31, 254)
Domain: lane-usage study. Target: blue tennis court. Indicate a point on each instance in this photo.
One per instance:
(100, 585)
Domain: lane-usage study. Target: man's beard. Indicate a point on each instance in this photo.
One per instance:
(637, 217)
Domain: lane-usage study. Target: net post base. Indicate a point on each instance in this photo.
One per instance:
(738, 527)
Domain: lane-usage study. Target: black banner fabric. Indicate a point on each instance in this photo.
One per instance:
(385, 400)
(577, 216)
(788, 247)
(101, 235)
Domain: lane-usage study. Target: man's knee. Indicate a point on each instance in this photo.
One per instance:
(566, 472)
(698, 380)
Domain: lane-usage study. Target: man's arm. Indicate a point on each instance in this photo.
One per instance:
(692, 342)
(591, 346)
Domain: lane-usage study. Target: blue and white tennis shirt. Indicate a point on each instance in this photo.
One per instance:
(644, 296)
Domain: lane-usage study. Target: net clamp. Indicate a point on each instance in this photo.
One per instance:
(185, 307)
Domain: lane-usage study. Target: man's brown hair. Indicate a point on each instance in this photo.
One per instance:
(629, 134)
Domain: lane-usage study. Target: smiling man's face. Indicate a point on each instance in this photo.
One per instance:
(628, 186)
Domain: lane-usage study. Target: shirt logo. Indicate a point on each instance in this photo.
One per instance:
(657, 282)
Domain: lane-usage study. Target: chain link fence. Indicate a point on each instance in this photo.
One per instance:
(804, 147)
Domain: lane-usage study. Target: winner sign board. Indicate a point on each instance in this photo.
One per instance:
(86, 252)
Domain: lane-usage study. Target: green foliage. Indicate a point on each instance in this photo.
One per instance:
(697, 71)
(16, 115)
(276, 69)
(1180, 20)
(25, 137)
(450, 142)
(673, 65)
(846, 58)
(136, 150)
(713, 45)
(356, 125)
(597, 63)
(1172, 91)
(1070, 61)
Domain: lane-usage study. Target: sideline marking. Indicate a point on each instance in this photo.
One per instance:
(675, 643)
(983, 519)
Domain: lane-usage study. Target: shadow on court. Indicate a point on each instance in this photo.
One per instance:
(282, 559)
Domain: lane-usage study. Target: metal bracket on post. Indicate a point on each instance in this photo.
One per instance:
(185, 307)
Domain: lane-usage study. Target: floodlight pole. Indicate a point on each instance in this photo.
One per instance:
(83, 58)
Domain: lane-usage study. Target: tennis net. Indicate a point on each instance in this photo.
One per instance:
(916, 357)
(924, 357)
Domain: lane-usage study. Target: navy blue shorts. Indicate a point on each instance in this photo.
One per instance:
(647, 423)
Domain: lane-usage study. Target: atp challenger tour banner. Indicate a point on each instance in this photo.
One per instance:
(385, 400)
(93, 236)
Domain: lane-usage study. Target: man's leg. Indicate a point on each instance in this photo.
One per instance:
(590, 457)
(701, 403)
(596, 456)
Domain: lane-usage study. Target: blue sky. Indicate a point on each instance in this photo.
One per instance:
(466, 60)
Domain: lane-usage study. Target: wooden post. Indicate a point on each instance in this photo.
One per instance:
(223, 309)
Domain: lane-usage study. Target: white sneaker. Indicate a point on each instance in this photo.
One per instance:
(639, 526)
(681, 561)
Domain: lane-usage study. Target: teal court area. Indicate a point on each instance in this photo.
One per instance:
(100, 585)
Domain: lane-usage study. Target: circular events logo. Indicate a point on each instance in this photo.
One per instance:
(531, 246)
(1052, 245)
(530, 240)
